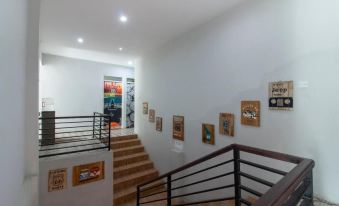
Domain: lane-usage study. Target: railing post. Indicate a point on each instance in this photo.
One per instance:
(169, 190)
(138, 195)
(109, 133)
(309, 192)
(93, 125)
(237, 191)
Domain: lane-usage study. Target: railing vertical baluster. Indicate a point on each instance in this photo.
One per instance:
(138, 195)
(169, 190)
(109, 133)
(237, 191)
(93, 125)
(309, 192)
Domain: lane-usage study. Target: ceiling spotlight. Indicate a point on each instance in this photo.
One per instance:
(120, 49)
(130, 63)
(80, 40)
(123, 18)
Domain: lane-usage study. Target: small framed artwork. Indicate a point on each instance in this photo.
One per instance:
(208, 134)
(57, 179)
(281, 95)
(151, 115)
(178, 128)
(88, 173)
(250, 113)
(226, 124)
(158, 124)
(145, 108)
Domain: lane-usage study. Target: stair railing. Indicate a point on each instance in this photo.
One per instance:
(293, 188)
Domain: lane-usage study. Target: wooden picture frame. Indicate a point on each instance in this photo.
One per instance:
(280, 95)
(208, 136)
(158, 124)
(87, 173)
(57, 179)
(179, 127)
(151, 116)
(250, 113)
(145, 108)
(226, 124)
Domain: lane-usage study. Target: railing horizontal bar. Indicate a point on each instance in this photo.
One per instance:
(203, 170)
(66, 122)
(247, 189)
(191, 164)
(204, 191)
(67, 132)
(57, 148)
(71, 152)
(69, 137)
(66, 127)
(257, 179)
(72, 117)
(153, 194)
(246, 202)
(263, 167)
(206, 201)
(157, 200)
(205, 180)
(68, 141)
(152, 187)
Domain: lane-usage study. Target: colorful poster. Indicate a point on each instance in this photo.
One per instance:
(281, 95)
(57, 180)
(113, 101)
(151, 117)
(130, 104)
(226, 124)
(158, 124)
(88, 173)
(250, 113)
(208, 134)
(178, 128)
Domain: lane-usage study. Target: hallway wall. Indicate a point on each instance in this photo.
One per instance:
(77, 86)
(232, 58)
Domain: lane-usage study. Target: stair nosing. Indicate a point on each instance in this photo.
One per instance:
(134, 176)
(132, 165)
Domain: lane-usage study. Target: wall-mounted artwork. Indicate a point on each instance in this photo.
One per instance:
(113, 100)
(281, 95)
(178, 128)
(208, 134)
(145, 108)
(250, 113)
(151, 117)
(88, 173)
(158, 124)
(57, 179)
(130, 103)
(226, 124)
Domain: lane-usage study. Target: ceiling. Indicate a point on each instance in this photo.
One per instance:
(151, 23)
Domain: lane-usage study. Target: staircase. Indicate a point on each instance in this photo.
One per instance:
(132, 166)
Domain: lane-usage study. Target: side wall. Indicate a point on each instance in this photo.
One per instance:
(77, 86)
(232, 58)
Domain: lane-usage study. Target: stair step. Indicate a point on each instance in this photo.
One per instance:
(128, 151)
(129, 159)
(125, 143)
(122, 138)
(134, 179)
(132, 168)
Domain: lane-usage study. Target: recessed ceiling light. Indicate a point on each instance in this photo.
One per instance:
(123, 18)
(130, 63)
(120, 49)
(80, 40)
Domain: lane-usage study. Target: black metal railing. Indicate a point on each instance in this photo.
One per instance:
(290, 188)
(74, 134)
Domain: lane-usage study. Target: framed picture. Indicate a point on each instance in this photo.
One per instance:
(250, 113)
(151, 115)
(178, 128)
(88, 173)
(57, 179)
(208, 134)
(158, 124)
(145, 108)
(281, 95)
(226, 124)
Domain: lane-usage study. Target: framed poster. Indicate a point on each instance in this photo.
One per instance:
(88, 173)
(281, 95)
(226, 124)
(145, 108)
(158, 124)
(250, 113)
(178, 128)
(208, 134)
(151, 115)
(57, 179)
(113, 100)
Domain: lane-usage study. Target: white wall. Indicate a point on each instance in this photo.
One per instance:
(19, 49)
(77, 86)
(232, 58)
